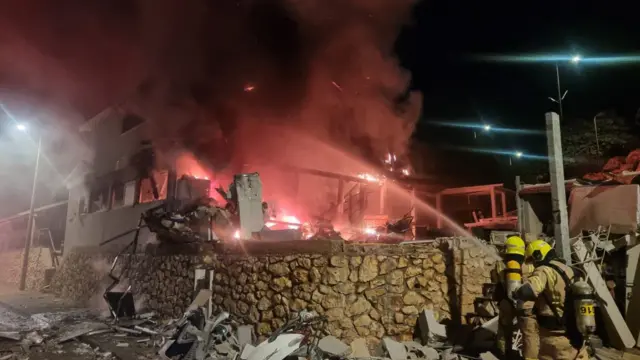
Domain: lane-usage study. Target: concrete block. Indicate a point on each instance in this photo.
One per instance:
(246, 335)
(430, 328)
(430, 353)
(359, 348)
(396, 350)
(331, 345)
(200, 300)
(247, 189)
(422, 352)
(488, 356)
(246, 351)
(491, 325)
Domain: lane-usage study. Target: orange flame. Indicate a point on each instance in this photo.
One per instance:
(370, 177)
(289, 219)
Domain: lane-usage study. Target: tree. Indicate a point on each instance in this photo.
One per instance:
(615, 137)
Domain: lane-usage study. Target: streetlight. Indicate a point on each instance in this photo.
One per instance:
(486, 128)
(517, 155)
(29, 237)
(574, 60)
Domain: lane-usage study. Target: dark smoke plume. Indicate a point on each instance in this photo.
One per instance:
(231, 81)
(264, 75)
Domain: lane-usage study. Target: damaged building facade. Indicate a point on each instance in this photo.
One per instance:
(115, 192)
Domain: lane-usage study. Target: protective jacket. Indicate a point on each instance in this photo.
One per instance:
(548, 288)
(508, 312)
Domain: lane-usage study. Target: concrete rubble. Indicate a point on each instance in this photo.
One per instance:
(198, 336)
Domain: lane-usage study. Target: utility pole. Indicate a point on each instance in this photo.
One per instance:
(558, 193)
(30, 223)
(559, 91)
(595, 129)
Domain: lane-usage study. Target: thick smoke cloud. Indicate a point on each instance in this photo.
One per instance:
(267, 75)
(233, 82)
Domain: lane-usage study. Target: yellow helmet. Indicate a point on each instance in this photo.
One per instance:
(514, 246)
(538, 250)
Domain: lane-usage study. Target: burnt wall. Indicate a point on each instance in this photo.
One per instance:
(365, 290)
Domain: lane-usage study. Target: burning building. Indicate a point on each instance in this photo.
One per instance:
(129, 177)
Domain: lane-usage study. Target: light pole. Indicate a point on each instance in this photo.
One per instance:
(29, 235)
(575, 59)
(595, 129)
(486, 128)
(517, 155)
(560, 95)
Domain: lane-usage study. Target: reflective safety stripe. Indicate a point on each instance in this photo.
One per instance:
(514, 277)
(513, 271)
(536, 284)
(528, 268)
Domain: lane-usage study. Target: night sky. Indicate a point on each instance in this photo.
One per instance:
(441, 47)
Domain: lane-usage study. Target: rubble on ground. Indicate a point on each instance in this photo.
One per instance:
(197, 336)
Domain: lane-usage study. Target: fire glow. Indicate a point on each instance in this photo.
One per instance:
(290, 221)
(390, 159)
(370, 177)
(370, 231)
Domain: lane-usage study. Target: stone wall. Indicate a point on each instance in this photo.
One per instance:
(11, 266)
(365, 290)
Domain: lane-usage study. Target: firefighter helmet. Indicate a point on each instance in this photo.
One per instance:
(538, 250)
(514, 246)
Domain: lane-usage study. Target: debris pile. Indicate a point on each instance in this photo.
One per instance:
(245, 216)
(617, 169)
(198, 336)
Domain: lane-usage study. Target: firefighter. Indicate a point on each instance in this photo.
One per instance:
(547, 287)
(526, 321)
(506, 275)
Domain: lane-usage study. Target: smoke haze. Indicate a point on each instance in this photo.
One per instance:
(233, 82)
